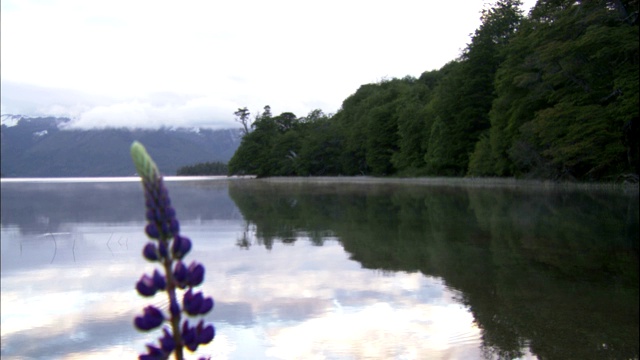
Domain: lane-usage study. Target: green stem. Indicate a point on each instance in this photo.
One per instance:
(175, 320)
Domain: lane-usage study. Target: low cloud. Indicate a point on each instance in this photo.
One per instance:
(145, 114)
(153, 110)
(90, 111)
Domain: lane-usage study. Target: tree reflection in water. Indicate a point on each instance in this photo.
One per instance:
(551, 270)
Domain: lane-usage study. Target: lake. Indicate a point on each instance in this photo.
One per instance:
(341, 268)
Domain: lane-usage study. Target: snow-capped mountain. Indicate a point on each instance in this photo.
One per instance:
(10, 120)
(44, 147)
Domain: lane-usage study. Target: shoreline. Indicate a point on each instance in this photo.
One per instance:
(468, 182)
(477, 182)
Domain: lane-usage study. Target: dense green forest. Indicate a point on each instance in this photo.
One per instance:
(206, 168)
(551, 94)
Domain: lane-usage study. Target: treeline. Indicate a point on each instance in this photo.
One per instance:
(553, 94)
(203, 169)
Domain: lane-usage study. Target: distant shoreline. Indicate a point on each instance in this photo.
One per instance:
(115, 179)
(511, 183)
(457, 182)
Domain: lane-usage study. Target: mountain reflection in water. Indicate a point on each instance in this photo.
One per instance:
(336, 270)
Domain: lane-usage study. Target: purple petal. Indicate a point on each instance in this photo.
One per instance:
(180, 272)
(151, 318)
(192, 303)
(189, 337)
(170, 212)
(147, 322)
(207, 305)
(150, 252)
(154, 354)
(174, 226)
(145, 286)
(165, 228)
(196, 274)
(149, 202)
(152, 215)
(167, 343)
(206, 335)
(152, 231)
(180, 247)
(158, 280)
(140, 323)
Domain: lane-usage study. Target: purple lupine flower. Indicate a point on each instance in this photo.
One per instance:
(164, 228)
(180, 274)
(152, 318)
(207, 305)
(195, 275)
(153, 215)
(150, 252)
(146, 286)
(152, 231)
(196, 304)
(167, 343)
(149, 285)
(174, 227)
(158, 280)
(198, 335)
(154, 354)
(205, 333)
(189, 336)
(181, 246)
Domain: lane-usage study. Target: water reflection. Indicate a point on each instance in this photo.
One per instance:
(70, 257)
(552, 272)
(44, 207)
(336, 271)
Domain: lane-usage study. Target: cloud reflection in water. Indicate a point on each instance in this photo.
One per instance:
(293, 301)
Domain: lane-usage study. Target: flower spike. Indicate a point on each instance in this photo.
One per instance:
(168, 248)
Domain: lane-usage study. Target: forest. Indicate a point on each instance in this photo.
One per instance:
(206, 168)
(552, 94)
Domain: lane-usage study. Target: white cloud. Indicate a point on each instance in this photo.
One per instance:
(200, 112)
(95, 111)
(294, 56)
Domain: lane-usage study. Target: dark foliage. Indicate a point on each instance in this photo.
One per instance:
(206, 168)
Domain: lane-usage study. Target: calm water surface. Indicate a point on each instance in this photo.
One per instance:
(330, 270)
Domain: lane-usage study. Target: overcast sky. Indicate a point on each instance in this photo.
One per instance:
(148, 63)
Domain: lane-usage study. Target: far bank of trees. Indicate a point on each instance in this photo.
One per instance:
(553, 94)
(203, 169)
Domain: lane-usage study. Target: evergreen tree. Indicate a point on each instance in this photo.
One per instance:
(465, 95)
(413, 125)
(242, 116)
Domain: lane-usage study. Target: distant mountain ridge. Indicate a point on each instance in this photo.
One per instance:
(41, 147)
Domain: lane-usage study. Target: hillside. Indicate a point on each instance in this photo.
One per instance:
(42, 147)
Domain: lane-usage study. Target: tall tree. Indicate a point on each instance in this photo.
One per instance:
(414, 125)
(322, 146)
(242, 116)
(465, 95)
